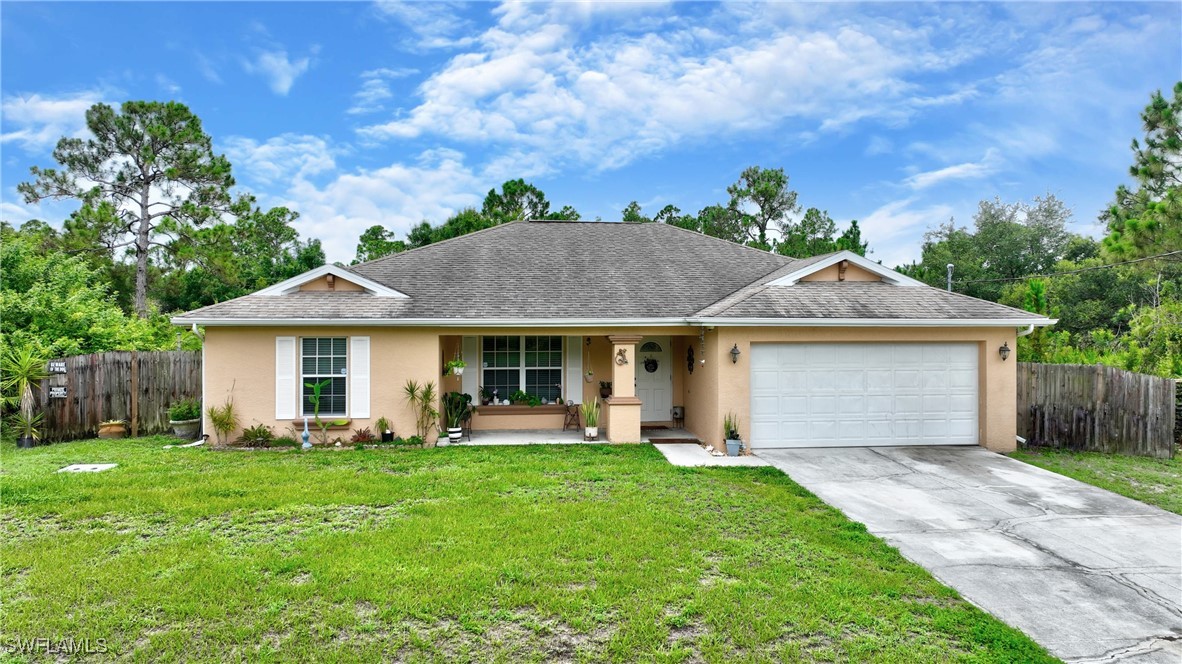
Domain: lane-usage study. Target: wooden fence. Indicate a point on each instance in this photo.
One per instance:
(134, 386)
(1096, 408)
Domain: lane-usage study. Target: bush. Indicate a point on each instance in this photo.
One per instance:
(260, 435)
(284, 441)
(184, 409)
(363, 436)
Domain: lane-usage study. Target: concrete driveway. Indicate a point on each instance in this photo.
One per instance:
(1090, 575)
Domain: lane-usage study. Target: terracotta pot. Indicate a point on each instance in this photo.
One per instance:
(118, 430)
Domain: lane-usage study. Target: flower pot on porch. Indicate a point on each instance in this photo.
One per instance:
(591, 433)
(605, 392)
(185, 429)
(387, 436)
(454, 434)
(733, 446)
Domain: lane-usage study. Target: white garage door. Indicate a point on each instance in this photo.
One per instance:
(835, 395)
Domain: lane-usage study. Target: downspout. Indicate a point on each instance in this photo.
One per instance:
(1028, 330)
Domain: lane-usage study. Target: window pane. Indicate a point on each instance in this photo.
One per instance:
(325, 347)
(504, 381)
(323, 358)
(338, 346)
(544, 383)
(309, 365)
(309, 346)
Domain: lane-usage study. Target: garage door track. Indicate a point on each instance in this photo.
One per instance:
(1090, 575)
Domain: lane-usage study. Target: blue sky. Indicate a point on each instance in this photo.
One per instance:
(899, 115)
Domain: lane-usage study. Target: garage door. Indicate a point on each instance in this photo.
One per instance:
(834, 395)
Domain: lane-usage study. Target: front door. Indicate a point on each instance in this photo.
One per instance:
(654, 379)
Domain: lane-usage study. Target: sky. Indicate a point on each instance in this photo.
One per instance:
(899, 115)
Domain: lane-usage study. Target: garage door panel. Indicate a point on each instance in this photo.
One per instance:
(807, 395)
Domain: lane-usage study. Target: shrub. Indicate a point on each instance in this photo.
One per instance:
(363, 436)
(284, 441)
(260, 435)
(184, 409)
(225, 420)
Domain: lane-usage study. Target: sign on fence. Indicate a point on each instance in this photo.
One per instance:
(1096, 408)
(134, 386)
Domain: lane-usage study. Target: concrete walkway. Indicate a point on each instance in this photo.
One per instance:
(1090, 575)
(693, 456)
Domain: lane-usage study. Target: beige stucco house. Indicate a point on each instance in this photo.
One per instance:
(833, 350)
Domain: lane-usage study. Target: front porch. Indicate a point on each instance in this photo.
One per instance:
(523, 384)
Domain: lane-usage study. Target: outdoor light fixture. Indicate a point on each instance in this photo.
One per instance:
(702, 342)
(1004, 351)
(735, 354)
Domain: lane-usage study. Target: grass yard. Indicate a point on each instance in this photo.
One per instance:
(1154, 481)
(569, 553)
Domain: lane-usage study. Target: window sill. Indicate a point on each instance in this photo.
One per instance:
(551, 409)
(299, 423)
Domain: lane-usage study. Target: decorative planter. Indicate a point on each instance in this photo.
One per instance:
(589, 377)
(454, 434)
(442, 441)
(605, 392)
(185, 429)
(733, 446)
(459, 371)
(25, 442)
(387, 436)
(117, 430)
(591, 433)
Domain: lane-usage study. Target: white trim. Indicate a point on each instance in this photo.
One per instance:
(604, 322)
(292, 285)
(873, 322)
(886, 273)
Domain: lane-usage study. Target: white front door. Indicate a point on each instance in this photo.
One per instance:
(863, 394)
(654, 379)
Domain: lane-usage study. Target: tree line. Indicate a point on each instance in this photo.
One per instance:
(160, 227)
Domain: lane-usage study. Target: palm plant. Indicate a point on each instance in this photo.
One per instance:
(23, 368)
(421, 399)
(314, 398)
(590, 413)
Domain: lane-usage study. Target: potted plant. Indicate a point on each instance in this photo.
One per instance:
(588, 375)
(454, 367)
(730, 430)
(29, 428)
(487, 396)
(184, 416)
(112, 429)
(224, 419)
(605, 389)
(455, 407)
(22, 368)
(519, 397)
(384, 429)
(590, 420)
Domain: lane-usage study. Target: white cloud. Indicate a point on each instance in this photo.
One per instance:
(167, 84)
(280, 71)
(434, 24)
(966, 171)
(207, 68)
(279, 160)
(879, 145)
(532, 83)
(893, 229)
(375, 89)
(36, 121)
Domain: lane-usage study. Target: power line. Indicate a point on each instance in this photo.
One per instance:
(1082, 269)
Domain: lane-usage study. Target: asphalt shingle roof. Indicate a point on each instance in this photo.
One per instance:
(596, 270)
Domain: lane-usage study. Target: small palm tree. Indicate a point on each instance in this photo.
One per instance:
(22, 368)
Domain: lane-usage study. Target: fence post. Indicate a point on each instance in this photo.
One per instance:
(135, 395)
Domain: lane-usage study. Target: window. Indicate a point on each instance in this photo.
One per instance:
(509, 363)
(321, 359)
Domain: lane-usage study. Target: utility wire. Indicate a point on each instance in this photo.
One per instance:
(1082, 269)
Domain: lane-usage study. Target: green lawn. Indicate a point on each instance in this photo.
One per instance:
(1154, 481)
(575, 553)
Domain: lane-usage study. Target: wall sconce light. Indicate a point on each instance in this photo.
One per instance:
(735, 354)
(702, 343)
(1004, 351)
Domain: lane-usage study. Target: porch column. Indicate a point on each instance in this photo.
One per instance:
(623, 423)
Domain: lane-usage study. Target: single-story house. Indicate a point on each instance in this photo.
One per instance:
(833, 350)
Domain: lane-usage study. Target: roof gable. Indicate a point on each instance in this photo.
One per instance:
(886, 274)
(294, 284)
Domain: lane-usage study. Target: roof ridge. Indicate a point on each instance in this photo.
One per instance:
(761, 252)
(749, 295)
(436, 244)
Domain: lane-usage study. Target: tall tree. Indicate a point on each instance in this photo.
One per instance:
(149, 170)
(851, 239)
(517, 200)
(763, 201)
(632, 214)
(376, 242)
(811, 236)
(1147, 220)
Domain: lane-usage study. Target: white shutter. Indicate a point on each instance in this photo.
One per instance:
(359, 377)
(285, 378)
(470, 381)
(573, 390)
